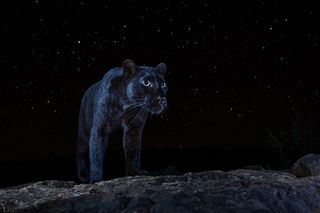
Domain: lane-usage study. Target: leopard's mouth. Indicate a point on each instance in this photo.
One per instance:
(155, 105)
(155, 109)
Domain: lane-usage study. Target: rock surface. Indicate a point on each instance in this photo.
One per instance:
(213, 191)
(308, 165)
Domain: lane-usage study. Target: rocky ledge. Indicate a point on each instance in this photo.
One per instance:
(243, 190)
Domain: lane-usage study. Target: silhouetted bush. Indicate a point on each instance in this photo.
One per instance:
(303, 138)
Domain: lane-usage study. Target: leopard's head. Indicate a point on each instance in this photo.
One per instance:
(146, 87)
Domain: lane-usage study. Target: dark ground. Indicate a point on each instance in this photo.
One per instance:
(156, 161)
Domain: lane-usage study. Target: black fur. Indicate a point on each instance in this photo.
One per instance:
(121, 99)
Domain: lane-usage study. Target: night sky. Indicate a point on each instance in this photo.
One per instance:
(234, 69)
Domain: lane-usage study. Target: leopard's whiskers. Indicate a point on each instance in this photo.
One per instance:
(130, 106)
(135, 117)
(132, 110)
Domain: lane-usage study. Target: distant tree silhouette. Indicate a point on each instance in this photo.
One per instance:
(303, 138)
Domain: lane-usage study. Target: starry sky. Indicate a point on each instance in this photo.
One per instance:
(234, 68)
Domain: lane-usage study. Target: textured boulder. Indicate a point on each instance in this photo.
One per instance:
(308, 165)
(213, 191)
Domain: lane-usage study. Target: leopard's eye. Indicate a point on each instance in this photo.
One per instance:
(163, 85)
(146, 83)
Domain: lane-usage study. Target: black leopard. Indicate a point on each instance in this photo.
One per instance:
(121, 99)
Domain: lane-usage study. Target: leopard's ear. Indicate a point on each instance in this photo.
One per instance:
(162, 68)
(129, 67)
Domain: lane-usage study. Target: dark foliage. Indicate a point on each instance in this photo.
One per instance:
(303, 137)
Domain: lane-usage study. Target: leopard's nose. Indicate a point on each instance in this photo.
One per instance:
(162, 101)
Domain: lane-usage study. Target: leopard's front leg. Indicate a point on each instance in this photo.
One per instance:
(132, 148)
